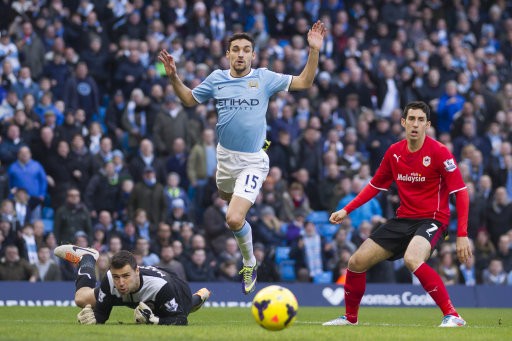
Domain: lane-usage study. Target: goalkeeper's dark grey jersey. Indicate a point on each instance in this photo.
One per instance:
(167, 295)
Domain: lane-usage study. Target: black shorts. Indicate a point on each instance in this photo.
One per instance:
(396, 234)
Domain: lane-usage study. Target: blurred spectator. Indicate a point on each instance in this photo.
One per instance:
(379, 141)
(173, 191)
(146, 158)
(82, 160)
(178, 160)
(499, 215)
(129, 73)
(47, 269)
(114, 244)
(142, 225)
(44, 146)
(171, 122)
(198, 270)
(371, 209)
(103, 191)
(39, 233)
(28, 246)
(68, 129)
(31, 49)
(295, 198)
(11, 145)
(135, 119)
(168, 262)
(214, 224)
(62, 174)
(504, 252)
(25, 84)
(29, 174)
(201, 165)
(142, 248)
(447, 268)
(268, 228)
(14, 268)
(103, 155)
(81, 91)
(494, 273)
(148, 194)
(267, 270)
(71, 218)
(308, 149)
(129, 236)
(113, 116)
(9, 105)
(24, 213)
(162, 238)
(484, 250)
(102, 265)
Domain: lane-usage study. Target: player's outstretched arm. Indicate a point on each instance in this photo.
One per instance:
(183, 92)
(315, 40)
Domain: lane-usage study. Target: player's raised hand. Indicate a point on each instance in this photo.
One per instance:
(168, 61)
(338, 216)
(316, 35)
(463, 249)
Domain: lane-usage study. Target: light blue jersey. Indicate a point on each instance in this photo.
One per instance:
(241, 105)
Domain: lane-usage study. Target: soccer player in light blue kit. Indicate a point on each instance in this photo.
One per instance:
(242, 96)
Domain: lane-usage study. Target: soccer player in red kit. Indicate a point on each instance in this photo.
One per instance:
(425, 174)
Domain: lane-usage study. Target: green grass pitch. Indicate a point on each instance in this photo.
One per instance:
(59, 323)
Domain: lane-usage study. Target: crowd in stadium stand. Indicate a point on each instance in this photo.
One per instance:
(97, 150)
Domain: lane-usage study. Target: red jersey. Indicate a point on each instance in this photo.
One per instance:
(425, 179)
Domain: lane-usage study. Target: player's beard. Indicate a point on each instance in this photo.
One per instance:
(240, 68)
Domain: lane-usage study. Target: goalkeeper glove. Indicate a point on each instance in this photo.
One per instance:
(143, 314)
(86, 315)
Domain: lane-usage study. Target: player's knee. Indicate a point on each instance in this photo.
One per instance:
(357, 264)
(235, 220)
(84, 298)
(411, 262)
(80, 301)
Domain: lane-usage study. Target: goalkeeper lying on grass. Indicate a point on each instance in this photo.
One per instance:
(158, 296)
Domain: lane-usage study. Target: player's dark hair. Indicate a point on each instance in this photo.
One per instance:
(123, 257)
(417, 105)
(242, 35)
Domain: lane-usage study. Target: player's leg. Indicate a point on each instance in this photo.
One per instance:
(368, 254)
(198, 299)
(244, 184)
(418, 251)
(86, 277)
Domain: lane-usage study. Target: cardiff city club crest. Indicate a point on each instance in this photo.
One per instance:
(426, 161)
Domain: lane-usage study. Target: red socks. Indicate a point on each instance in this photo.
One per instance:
(433, 284)
(355, 286)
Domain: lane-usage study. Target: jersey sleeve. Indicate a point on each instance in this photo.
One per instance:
(204, 91)
(449, 170)
(383, 177)
(276, 82)
(104, 302)
(169, 308)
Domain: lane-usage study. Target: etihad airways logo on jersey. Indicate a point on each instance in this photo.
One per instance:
(236, 102)
(413, 177)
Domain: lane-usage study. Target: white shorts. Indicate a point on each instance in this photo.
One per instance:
(241, 173)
